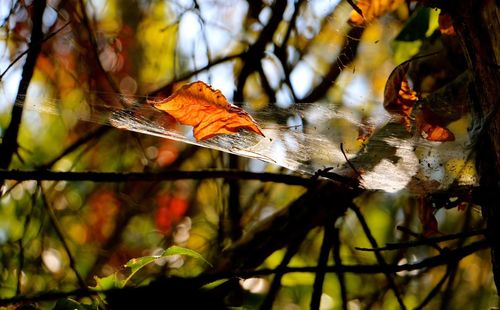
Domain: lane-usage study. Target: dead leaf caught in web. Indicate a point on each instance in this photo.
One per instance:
(207, 110)
(431, 128)
(400, 100)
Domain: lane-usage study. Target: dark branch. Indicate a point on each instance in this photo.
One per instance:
(60, 235)
(378, 255)
(251, 59)
(9, 141)
(319, 278)
(427, 241)
(338, 262)
(276, 283)
(41, 175)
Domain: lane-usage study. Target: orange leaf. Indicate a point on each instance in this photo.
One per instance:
(207, 110)
(431, 127)
(436, 133)
(372, 9)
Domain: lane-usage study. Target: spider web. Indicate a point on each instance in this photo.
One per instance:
(391, 159)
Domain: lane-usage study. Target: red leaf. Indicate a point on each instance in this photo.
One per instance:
(169, 212)
(432, 128)
(436, 133)
(446, 25)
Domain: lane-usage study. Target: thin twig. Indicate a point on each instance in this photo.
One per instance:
(21, 266)
(435, 290)
(60, 236)
(445, 300)
(355, 7)
(255, 52)
(349, 162)
(49, 36)
(26, 225)
(338, 261)
(234, 212)
(427, 241)
(276, 283)
(95, 49)
(378, 255)
(408, 231)
(346, 56)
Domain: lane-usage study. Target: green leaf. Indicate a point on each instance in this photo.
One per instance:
(136, 264)
(421, 25)
(106, 283)
(404, 50)
(177, 250)
(416, 27)
(70, 304)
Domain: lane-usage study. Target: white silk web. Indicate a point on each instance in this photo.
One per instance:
(305, 138)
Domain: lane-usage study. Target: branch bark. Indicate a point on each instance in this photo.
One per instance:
(477, 25)
(325, 200)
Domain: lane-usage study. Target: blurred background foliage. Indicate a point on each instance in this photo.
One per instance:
(60, 235)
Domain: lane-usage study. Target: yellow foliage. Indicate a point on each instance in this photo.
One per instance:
(158, 37)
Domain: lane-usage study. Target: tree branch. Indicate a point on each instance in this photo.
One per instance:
(9, 141)
(477, 26)
(319, 278)
(43, 175)
(378, 255)
(255, 52)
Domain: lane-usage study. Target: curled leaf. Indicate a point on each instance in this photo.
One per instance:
(207, 110)
(399, 98)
